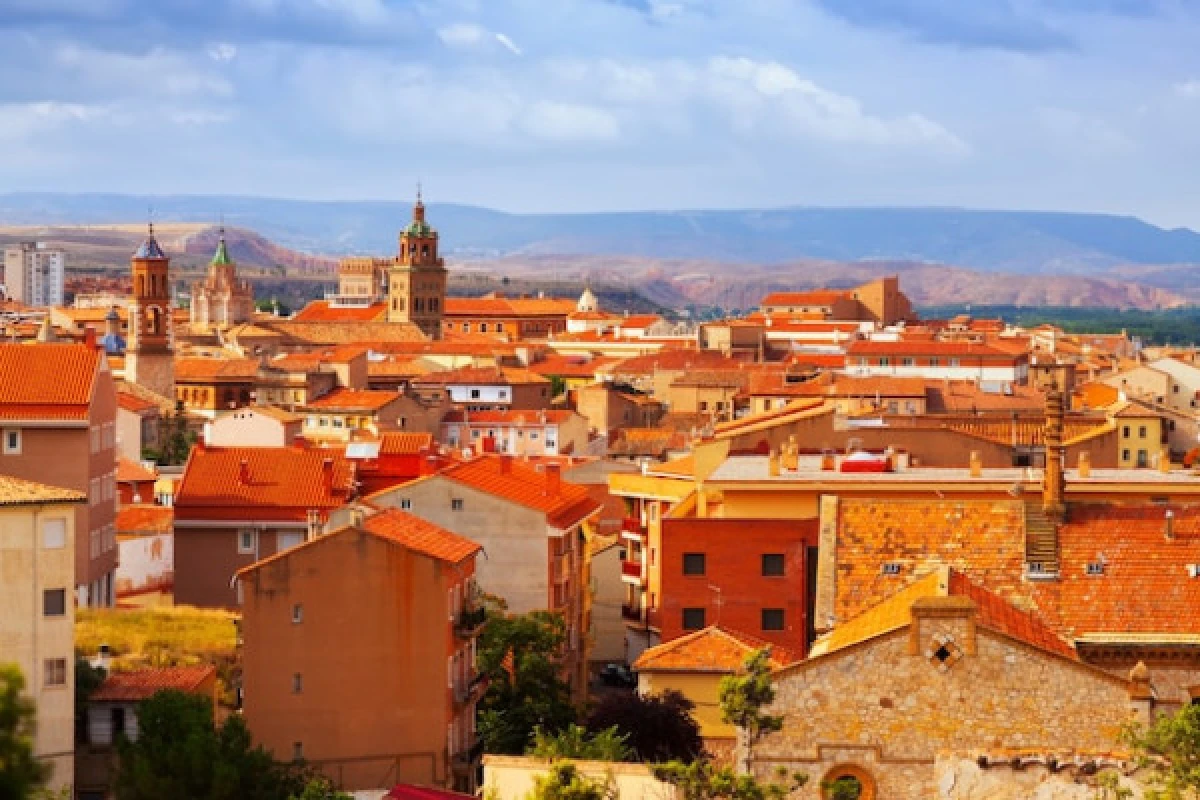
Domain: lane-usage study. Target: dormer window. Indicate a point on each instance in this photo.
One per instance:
(1095, 568)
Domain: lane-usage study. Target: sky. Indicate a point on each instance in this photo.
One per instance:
(568, 105)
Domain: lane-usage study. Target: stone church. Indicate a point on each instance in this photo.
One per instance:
(221, 300)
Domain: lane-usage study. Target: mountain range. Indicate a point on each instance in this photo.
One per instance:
(943, 254)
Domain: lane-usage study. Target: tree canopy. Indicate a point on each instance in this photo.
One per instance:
(521, 656)
(20, 773)
(1171, 749)
(657, 727)
(574, 742)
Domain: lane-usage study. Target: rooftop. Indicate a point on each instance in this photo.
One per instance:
(420, 536)
(133, 472)
(713, 649)
(322, 311)
(142, 518)
(47, 381)
(215, 369)
(17, 492)
(342, 399)
(521, 483)
(132, 687)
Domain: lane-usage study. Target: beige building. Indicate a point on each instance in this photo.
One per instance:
(37, 574)
(254, 426)
(222, 299)
(518, 433)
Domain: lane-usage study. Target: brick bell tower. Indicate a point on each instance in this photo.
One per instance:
(149, 356)
(417, 277)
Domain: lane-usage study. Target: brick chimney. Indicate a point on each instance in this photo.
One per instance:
(553, 480)
(327, 471)
(1053, 483)
(89, 337)
(1085, 464)
(506, 464)
(244, 472)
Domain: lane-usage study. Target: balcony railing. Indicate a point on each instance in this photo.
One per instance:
(631, 528)
(632, 569)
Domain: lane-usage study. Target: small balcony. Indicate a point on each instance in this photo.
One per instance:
(631, 528)
(470, 622)
(633, 572)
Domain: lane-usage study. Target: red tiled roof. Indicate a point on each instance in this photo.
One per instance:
(321, 311)
(674, 360)
(133, 472)
(215, 369)
(313, 359)
(132, 687)
(1001, 616)
(637, 321)
(404, 444)
(353, 400)
(816, 297)
(280, 482)
(131, 402)
(145, 519)
(524, 485)
(47, 381)
(557, 364)
(421, 536)
(926, 347)
(713, 649)
(510, 417)
(487, 376)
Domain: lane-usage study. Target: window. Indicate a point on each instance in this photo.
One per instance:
(1124, 455)
(954, 362)
(297, 683)
(247, 539)
(693, 619)
(533, 434)
(54, 672)
(1143, 459)
(693, 563)
(406, 504)
(1125, 432)
(54, 534)
(297, 751)
(297, 613)
(118, 722)
(907, 361)
(456, 504)
(772, 619)
(474, 394)
(54, 602)
(933, 362)
(772, 565)
(1095, 568)
(884, 361)
(890, 568)
(1142, 432)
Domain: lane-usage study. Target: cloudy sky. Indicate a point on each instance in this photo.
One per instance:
(612, 104)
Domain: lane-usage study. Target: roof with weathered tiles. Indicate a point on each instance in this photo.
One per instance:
(133, 472)
(143, 518)
(342, 399)
(421, 536)
(521, 483)
(322, 311)
(47, 381)
(713, 649)
(132, 687)
(215, 369)
(397, 443)
(18, 492)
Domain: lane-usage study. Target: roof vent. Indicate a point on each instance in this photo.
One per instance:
(1095, 568)
(890, 568)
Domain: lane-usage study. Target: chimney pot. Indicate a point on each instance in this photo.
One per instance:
(244, 471)
(1170, 526)
(1085, 464)
(505, 463)
(89, 337)
(553, 479)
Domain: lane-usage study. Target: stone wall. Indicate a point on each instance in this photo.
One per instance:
(891, 713)
(965, 779)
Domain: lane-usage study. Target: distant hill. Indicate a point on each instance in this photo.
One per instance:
(1000, 241)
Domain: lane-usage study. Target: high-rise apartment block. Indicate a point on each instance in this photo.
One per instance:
(33, 274)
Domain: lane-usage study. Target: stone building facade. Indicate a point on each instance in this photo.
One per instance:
(221, 299)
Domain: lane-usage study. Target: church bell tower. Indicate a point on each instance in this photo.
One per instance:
(149, 356)
(417, 277)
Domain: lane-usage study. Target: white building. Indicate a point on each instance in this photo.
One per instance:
(936, 360)
(34, 273)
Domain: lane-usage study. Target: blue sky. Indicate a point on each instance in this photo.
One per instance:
(557, 105)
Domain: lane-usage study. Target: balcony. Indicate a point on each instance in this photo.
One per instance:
(470, 622)
(631, 528)
(633, 572)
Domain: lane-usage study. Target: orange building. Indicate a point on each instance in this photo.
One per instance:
(394, 699)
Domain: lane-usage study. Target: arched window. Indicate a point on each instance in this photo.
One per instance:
(848, 782)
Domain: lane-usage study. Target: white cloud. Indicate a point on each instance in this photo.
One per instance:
(222, 51)
(157, 71)
(1188, 88)
(508, 43)
(198, 117)
(23, 120)
(570, 122)
(467, 35)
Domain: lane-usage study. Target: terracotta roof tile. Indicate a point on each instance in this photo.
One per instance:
(524, 485)
(277, 483)
(138, 519)
(18, 492)
(215, 369)
(510, 417)
(713, 649)
(673, 360)
(132, 687)
(326, 333)
(133, 472)
(131, 402)
(353, 400)
(487, 376)
(816, 297)
(927, 348)
(421, 536)
(322, 311)
(404, 444)
(47, 381)
(565, 366)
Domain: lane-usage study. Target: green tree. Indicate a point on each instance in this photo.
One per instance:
(703, 780)
(521, 657)
(1170, 749)
(743, 697)
(177, 439)
(564, 782)
(574, 742)
(20, 773)
(179, 753)
(320, 789)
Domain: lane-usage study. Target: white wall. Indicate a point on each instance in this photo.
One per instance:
(144, 561)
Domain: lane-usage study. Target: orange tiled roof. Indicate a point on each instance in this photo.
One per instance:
(277, 483)
(18, 492)
(638, 321)
(673, 360)
(215, 369)
(524, 485)
(133, 472)
(326, 333)
(477, 307)
(144, 518)
(712, 378)
(557, 364)
(353, 400)
(131, 687)
(1145, 586)
(404, 444)
(816, 297)
(421, 536)
(509, 417)
(1097, 395)
(965, 396)
(911, 347)
(489, 376)
(321, 311)
(47, 381)
(131, 402)
(713, 649)
(313, 359)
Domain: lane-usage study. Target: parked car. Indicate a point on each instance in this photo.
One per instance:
(618, 675)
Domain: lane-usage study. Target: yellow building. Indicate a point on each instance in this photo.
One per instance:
(37, 576)
(694, 665)
(1142, 442)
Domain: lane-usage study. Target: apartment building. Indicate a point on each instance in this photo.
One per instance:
(937, 360)
(394, 700)
(528, 521)
(34, 273)
(238, 505)
(58, 407)
(37, 538)
(519, 433)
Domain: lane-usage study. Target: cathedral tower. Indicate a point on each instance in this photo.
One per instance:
(417, 278)
(149, 360)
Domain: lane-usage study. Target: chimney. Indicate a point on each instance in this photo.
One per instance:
(1053, 480)
(244, 472)
(505, 464)
(357, 515)
(553, 480)
(103, 658)
(1085, 464)
(314, 525)
(1170, 525)
(976, 464)
(327, 471)
(773, 463)
(1164, 460)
